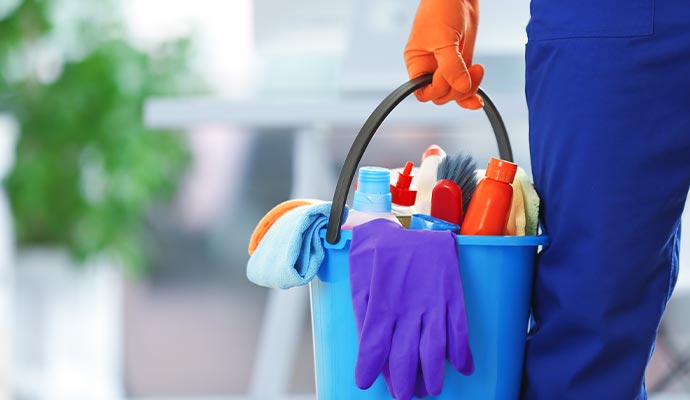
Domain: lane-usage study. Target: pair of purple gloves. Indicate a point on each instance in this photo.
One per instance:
(409, 308)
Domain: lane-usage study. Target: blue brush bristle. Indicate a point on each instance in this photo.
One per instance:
(460, 168)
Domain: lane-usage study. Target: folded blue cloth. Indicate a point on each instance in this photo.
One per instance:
(291, 252)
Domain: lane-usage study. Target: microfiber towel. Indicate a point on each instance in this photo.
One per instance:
(517, 218)
(531, 200)
(272, 216)
(291, 252)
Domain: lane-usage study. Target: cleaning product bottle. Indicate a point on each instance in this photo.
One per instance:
(373, 198)
(403, 193)
(490, 205)
(427, 177)
(446, 202)
(462, 169)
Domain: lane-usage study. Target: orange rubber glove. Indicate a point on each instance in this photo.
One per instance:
(442, 43)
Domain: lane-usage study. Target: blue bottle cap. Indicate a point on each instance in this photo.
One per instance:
(373, 190)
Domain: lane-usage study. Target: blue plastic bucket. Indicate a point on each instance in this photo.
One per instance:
(497, 274)
(496, 271)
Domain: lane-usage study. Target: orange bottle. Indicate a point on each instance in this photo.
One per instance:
(489, 208)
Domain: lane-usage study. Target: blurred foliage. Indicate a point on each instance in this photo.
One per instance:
(87, 170)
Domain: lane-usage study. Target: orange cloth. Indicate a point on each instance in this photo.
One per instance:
(272, 216)
(442, 43)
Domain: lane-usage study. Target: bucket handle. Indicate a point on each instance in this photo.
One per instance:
(354, 156)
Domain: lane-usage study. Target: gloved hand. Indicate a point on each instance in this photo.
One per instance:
(419, 388)
(442, 42)
(409, 308)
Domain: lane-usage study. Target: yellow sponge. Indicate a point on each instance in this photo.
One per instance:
(531, 201)
(517, 217)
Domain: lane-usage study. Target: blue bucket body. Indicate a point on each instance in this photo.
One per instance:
(497, 274)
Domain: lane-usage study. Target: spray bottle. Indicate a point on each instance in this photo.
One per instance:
(403, 193)
(426, 178)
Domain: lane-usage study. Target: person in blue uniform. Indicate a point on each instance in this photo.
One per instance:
(608, 91)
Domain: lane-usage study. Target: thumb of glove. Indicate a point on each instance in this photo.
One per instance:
(452, 67)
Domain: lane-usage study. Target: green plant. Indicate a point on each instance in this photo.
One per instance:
(87, 170)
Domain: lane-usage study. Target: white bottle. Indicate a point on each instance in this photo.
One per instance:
(403, 211)
(426, 178)
(372, 198)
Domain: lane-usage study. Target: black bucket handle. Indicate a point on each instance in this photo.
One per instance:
(354, 156)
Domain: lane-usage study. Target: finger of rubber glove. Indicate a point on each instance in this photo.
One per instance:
(420, 391)
(453, 68)
(458, 346)
(450, 96)
(438, 88)
(374, 348)
(387, 378)
(363, 246)
(432, 351)
(404, 358)
(470, 100)
(473, 101)
(360, 290)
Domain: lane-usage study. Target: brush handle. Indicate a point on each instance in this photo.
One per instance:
(368, 130)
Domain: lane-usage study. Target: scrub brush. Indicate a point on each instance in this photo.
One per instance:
(461, 169)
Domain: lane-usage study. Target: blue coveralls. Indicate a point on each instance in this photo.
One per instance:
(608, 89)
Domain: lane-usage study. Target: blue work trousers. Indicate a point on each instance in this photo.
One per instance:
(608, 90)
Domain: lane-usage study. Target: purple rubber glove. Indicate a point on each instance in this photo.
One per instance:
(419, 389)
(409, 306)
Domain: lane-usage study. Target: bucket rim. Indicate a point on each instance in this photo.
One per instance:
(463, 240)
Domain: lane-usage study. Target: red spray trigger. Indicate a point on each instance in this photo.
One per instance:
(401, 192)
